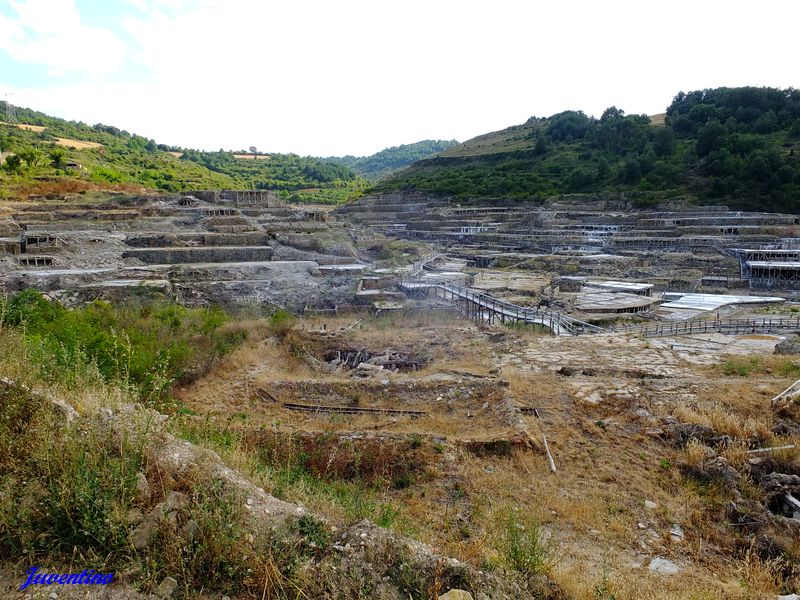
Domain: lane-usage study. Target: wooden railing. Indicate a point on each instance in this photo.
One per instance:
(728, 326)
(484, 307)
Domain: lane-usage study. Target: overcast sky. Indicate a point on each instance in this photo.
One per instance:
(335, 77)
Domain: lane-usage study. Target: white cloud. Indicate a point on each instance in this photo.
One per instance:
(50, 33)
(354, 76)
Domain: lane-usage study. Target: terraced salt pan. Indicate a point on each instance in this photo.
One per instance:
(709, 302)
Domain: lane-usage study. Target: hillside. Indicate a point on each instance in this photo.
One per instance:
(729, 145)
(72, 156)
(388, 161)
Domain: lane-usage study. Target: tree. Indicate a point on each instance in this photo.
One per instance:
(664, 143)
(632, 171)
(578, 180)
(58, 158)
(31, 156)
(709, 138)
(541, 146)
(603, 170)
(13, 163)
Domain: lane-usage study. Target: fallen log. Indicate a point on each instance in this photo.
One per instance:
(353, 410)
(773, 449)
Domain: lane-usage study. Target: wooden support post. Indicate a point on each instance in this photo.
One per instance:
(549, 455)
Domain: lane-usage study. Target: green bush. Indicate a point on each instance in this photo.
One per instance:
(281, 322)
(62, 487)
(148, 347)
(524, 547)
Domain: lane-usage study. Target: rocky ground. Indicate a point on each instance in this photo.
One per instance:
(649, 438)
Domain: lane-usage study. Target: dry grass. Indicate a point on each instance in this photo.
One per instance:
(724, 422)
(79, 144)
(696, 453)
(762, 577)
(252, 156)
(35, 128)
(595, 502)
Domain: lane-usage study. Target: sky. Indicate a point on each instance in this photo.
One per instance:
(337, 77)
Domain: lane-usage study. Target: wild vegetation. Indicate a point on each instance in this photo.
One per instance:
(295, 178)
(68, 151)
(734, 146)
(387, 161)
(148, 348)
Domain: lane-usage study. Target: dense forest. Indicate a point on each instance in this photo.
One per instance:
(735, 146)
(389, 160)
(293, 177)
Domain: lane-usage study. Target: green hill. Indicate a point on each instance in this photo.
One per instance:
(736, 146)
(387, 161)
(40, 147)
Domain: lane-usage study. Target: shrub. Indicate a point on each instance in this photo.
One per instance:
(148, 347)
(281, 322)
(62, 486)
(524, 547)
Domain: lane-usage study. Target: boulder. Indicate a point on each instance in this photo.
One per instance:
(788, 346)
(456, 594)
(167, 587)
(663, 566)
(142, 488)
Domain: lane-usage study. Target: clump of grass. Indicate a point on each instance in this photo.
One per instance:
(281, 322)
(762, 576)
(745, 366)
(735, 452)
(739, 366)
(696, 453)
(524, 547)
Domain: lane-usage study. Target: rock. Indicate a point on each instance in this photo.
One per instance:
(167, 587)
(650, 505)
(789, 597)
(790, 346)
(663, 566)
(134, 516)
(142, 488)
(143, 535)
(174, 501)
(717, 467)
(676, 533)
(163, 514)
(191, 530)
(682, 433)
(456, 594)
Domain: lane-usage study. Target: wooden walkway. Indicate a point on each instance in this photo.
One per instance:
(483, 307)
